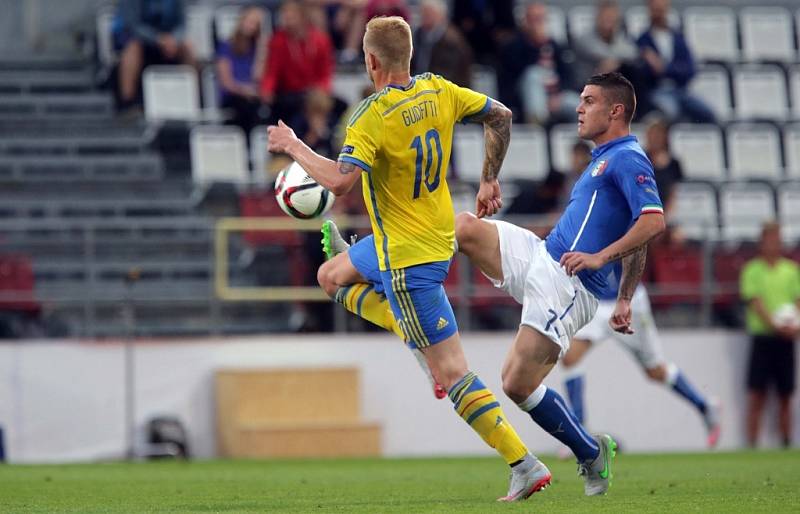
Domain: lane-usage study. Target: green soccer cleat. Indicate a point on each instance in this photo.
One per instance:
(332, 241)
(597, 474)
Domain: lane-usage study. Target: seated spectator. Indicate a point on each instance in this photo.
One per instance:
(606, 48)
(299, 58)
(238, 66)
(147, 32)
(669, 67)
(439, 47)
(667, 168)
(487, 26)
(535, 78)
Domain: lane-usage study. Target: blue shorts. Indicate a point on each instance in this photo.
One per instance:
(416, 294)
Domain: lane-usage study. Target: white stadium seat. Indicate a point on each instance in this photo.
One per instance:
(711, 33)
(760, 92)
(695, 210)
(104, 22)
(171, 93)
(259, 156)
(794, 91)
(699, 148)
(198, 30)
(637, 20)
(766, 34)
(484, 79)
(754, 151)
(791, 145)
(527, 154)
(712, 85)
(219, 154)
(582, 19)
(744, 208)
(789, 212)
(562, 138)
(468, 152)
(348, 86)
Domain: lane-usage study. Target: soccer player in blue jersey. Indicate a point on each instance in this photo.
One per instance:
(614, 210)
(398, 142)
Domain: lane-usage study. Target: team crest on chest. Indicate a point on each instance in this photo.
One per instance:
(599, 168)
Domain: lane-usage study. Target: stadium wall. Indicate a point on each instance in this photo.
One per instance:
(64, 401)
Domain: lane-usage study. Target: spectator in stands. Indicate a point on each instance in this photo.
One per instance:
(535, 76)
(316, 126)
(606, 48)
(238, 63)
(669, 67)
(770, 283)
(147, 32)
(667, 168)
(299, 58)
(439, 47)
(486, 25)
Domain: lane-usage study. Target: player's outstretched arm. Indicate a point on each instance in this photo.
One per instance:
(497, 135)
(337, 177)
(647, 227)
(632, 269)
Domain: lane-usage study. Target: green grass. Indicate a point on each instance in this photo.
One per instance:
(715, 482)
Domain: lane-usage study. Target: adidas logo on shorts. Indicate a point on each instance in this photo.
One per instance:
(442, 323)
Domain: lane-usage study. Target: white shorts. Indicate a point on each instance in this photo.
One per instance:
(643, 344)
(553, 303)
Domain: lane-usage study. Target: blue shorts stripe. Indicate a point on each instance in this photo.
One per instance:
(475, 415)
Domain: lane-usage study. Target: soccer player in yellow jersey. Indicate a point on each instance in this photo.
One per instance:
(398, 140)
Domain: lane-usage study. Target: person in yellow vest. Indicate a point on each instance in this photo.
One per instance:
(770, 285)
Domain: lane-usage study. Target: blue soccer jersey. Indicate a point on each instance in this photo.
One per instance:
(616, 187)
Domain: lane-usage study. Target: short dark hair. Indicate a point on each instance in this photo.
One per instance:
(618, 89)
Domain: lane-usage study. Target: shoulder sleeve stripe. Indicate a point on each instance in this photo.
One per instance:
(469, 117)
(360, 110)
(358, 162)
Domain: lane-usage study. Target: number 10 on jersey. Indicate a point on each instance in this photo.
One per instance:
(425, 149)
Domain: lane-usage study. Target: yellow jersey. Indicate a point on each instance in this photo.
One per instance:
(401, 137)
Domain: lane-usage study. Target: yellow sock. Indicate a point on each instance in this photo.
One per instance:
(362, 300)
(480, 409)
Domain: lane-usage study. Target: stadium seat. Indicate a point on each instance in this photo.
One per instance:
(219, 154)
(789, 212)
(744, 207)
(712, 85)
(727, 265)
(760, 92)
(484, 79)
(171, 93)
(562, 138)
(711, 33)
(766, 34)
(556, 23)
(259, 156)
(348, 86)
(527, 154)
(208, 81)
(637, 20)
(678, 273)
(754, 151)
(468, 152)
(794, 90)
(695, 211)
(105, 41)
(581, 20)
(791, 145)
(699, 149)
(198, 30)
(17, 279)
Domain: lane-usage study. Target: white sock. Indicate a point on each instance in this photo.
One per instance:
(530, 403)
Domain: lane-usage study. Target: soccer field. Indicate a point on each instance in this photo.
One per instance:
(742, 482)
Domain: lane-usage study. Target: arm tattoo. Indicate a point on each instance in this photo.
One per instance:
(497, 134)
(346, 168)
(632, 269)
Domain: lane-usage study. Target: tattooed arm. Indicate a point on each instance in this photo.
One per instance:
(497, 135)
(338, 177)
(632, 269)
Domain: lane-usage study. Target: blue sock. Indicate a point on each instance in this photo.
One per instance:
(680, 385)
(547, 408)
(574, 385)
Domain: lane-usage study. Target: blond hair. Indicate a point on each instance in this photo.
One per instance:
(389, 39)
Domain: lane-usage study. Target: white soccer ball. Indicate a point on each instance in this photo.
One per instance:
(787, 316)
(299, 195)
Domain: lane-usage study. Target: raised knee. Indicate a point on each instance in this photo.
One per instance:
(466, 225)
(517, 391)
(325, 280)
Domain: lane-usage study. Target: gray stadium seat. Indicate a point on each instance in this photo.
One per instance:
(468, 152)
(711, 33)
(791, 146)
(760, 92)
(557, 23)
(259, 156)
(744, 208)
(766, 34)
(527, 154)
(348, 86)
(171, 93)
(754, 151)
(219, 154)
(695, 210)
(484, 80)
(562, 138)
(789, 212)
(794, 90)
(198, 30)
(105, 44)
(581, 20)
(637, 20)
(699, 149)
(712, 85)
